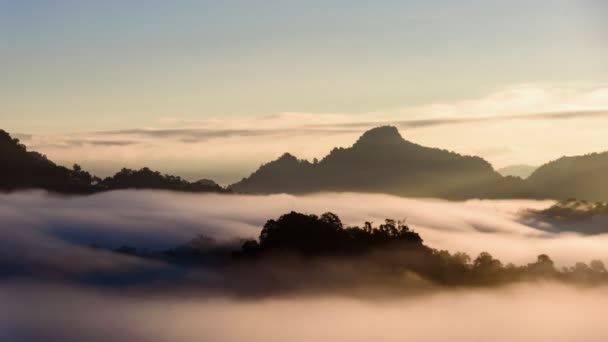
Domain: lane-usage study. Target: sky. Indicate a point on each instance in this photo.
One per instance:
(188, 87)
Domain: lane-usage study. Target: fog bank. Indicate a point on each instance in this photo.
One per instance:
(157, 220)
(537, 312)
(42, 234)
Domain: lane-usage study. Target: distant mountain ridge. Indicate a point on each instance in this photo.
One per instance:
(21, 169)
(382, 161)
(582, 177)
(520, 170)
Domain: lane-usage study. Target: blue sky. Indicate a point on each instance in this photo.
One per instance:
(87, 63)
(82, 66)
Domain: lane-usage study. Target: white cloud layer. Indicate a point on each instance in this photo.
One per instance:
(528, 313)
(45, 232)
(163, 220)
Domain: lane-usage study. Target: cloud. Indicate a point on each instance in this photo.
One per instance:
(68, 142)
(104, 142)
(41, 233)
(522, 102)
(530, 312)
(129, 137)
(159, 220)
(499, 118)
(197, 135)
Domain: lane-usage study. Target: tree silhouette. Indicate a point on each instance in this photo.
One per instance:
(22, 169)
(326, 234)
(370, 255)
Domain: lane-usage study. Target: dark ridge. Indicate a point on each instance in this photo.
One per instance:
(380, 137)
(149, 179)
(21, 169)
(573, 177)
(382, 161)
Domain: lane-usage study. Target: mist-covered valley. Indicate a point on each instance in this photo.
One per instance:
(62, 267)
(524, 312)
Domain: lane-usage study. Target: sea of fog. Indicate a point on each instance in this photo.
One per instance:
(53, 235)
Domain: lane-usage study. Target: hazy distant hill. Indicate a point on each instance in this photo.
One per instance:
(382, 161)
(521, 171)
(149, 179)
(583, 177)
(21, 169)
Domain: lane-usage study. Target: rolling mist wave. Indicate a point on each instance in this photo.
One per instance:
(157, 220)
(71, 237)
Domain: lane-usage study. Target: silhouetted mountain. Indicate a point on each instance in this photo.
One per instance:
(521, 171)
(21, 169)
(584, 177)
(382, 161)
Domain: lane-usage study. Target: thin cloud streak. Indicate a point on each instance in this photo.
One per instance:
(422, 123)
(195, 135)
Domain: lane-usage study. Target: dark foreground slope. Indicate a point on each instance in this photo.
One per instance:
(382, 161)
(21, 169)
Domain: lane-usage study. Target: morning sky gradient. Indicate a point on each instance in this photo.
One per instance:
(85, 81)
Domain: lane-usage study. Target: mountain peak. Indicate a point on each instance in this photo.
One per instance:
(383, 135)
(288, 157)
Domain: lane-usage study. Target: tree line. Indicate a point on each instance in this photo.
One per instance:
(386, 251)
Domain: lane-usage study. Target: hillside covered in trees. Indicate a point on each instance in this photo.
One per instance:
(382, 161)
(304, 252)
(22, 169)
(583, 177)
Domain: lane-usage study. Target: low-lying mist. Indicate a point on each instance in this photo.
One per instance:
(157, 220)
(58, 272)
(529, 312)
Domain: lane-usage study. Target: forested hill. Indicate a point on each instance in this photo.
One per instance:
(583, 177)
(22, 169)
(382, 161)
